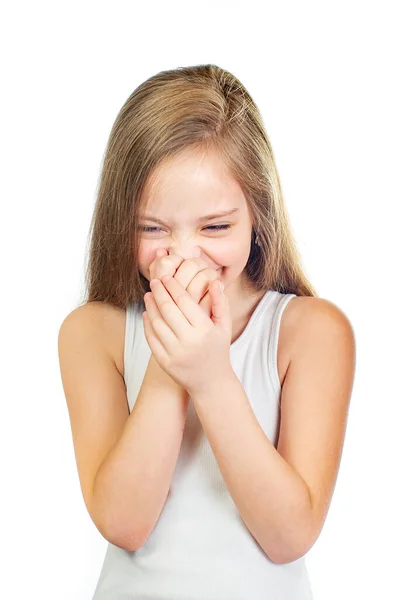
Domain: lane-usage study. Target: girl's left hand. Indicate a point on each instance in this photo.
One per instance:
(188, 345)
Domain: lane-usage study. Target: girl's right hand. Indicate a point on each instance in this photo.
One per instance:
(193, 274)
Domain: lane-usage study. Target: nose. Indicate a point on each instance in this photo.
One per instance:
(185, 251)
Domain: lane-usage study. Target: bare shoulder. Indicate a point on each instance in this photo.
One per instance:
(320, 314)
(105, 321)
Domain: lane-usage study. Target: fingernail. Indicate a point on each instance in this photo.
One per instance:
(221, 286)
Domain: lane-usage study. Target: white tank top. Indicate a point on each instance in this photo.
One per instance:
(200, 548)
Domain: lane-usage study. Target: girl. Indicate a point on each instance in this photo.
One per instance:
(208, 425)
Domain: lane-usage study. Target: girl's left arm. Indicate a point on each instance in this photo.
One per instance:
(283, 494)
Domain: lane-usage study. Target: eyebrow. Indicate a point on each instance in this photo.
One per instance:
(200, 220)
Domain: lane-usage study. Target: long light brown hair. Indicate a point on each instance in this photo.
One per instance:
(202, 107)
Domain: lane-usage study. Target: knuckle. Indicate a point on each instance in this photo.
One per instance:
(192, 261)
(207, 275)
(166, 266)
(180, 298)
(164, 263)
(165, 259)
(173, 260)
(163, 304)
(202, 278)
(156, 322)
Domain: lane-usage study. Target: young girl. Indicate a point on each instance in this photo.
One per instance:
(208, 425)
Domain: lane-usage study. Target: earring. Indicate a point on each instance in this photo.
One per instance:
(257, 239)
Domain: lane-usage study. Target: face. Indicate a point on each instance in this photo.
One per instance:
(183, 192)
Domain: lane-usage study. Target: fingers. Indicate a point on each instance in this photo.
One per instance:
(186, 272)
(201, 283)
(172, 324)
(157, 324)
(177, 307)
(164, 264)
(206, 304)
(192, 274)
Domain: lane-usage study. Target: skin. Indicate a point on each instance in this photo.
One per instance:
(181, 191)
(193, 275)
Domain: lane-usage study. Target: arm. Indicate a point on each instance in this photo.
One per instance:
(283, 495)
(133, 481)
(271, 497)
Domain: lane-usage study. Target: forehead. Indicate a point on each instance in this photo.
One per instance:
(193, 180)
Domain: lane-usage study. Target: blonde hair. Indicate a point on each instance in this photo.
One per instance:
(202, 107)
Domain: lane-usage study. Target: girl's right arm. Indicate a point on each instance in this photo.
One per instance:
(125, 461)
(132, 484)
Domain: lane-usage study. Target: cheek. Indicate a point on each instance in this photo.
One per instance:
(145, 257)
(232, 254)
(146, 254)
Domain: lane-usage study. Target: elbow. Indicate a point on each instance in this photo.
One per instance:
(292, 552)
(122, 536)
(130, 539)
(118, 533)
(300, 545)
(125, 540)
(285, 557)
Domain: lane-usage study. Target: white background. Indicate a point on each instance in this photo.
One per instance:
(324, 76)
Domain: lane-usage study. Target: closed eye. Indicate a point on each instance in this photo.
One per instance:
(218, 227)
(212, 227)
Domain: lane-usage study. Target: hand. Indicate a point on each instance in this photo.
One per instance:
(193, 274)
(190, 346)
(185, 271)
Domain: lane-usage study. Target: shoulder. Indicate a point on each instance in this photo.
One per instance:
(308, 319)
(104, 321)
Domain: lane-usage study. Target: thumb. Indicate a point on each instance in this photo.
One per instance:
(219, 303)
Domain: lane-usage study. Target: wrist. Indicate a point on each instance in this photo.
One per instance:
(159, 377)
(210, 384)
